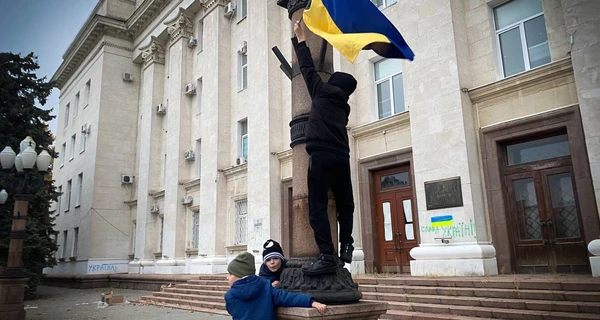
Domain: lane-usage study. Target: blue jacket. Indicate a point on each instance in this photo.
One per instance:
(253, 298)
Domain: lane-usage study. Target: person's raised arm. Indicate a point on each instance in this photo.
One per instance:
(313, 81)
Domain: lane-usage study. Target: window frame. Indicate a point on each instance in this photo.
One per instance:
(63, 154)
(69, 191)
(82, 143)
(241, 4)
(521, 25)
(243, 136)
(238, 239)
(195, 236)
(79, 190)
(385, 4)
(75, 242)
(389, 78)
(72, 149)
(76, 105)
(67, 110)
(88, 93)
(242, 71)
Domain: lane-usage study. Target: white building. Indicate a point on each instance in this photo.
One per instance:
(174, 138)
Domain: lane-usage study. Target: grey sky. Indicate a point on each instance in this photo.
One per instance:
(44, 27)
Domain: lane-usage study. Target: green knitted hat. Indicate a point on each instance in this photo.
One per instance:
(242, 265)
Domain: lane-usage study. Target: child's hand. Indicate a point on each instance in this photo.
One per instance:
(320, 307)
(275, 283)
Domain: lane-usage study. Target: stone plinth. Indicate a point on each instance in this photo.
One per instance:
(361, 310)
(594, 248)
(11, 299)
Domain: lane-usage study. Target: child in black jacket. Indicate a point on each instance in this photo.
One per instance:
(273, 262)
(329, 165)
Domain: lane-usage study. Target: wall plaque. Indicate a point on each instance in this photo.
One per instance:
(444, 193)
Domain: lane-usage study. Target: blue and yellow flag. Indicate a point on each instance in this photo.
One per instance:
(441, 221)
(353, 25)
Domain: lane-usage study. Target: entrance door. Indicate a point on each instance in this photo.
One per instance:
(543, 207)
(395, 219)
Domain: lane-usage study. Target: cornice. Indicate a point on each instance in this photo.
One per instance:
(208, 5)
(393, 122)
(144, 14)
(284, 155)
(86, 40)
(191, 184)
(549, 72)
(235, 169)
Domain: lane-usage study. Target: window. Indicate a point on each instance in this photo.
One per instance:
(538, 150)
(390, 87)
(521, 35)
(72, 148)
(241, 222)
(76, 106)
(200, 37)
(79, 189)
(198, 158)
(195, 229)
(383, 3)
(199, 96)
(69, 185)
(58, 200)
(242, 9)
(64, 244)
(82, 142)
(242, 71)
(55, 237)
(243, 129)
(67, 114)
(63, 154)
(75, 242)
(88, 90)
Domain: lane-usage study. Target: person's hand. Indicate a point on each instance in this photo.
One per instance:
(320, 307)
(299, 32)
(275, 283)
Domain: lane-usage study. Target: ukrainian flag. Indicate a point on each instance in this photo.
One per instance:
(353, 25)
(441, 221)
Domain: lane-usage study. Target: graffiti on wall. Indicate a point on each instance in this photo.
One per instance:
(450, 230)
(258, 235)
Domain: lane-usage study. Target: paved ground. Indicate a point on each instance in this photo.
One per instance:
(74, 304)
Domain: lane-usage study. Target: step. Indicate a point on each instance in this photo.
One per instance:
(582, 296)
(196, 292)
(497, 313)
(184, 307)
(202, 287)
(409, 315)
(541, 305)
(210, 282)
(182, 296)
(220, 277)
(194, 303)
(519, 283)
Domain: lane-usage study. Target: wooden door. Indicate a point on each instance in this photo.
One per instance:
(395, 219)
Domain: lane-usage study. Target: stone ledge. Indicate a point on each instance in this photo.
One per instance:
(396, 121)
(361, 310)
(549, 72)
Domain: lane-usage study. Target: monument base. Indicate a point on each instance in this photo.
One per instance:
(332, 288)
(366, 310)
(11, 299)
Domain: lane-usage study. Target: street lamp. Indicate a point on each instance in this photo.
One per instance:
(12, 279)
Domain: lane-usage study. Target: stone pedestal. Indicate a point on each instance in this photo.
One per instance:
(361, 310)
(11, 299)
(473, 260)
(594, 248)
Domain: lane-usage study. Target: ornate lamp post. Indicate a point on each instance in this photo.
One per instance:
(12, 279)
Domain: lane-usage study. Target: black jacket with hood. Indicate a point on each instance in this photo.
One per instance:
(326, 128)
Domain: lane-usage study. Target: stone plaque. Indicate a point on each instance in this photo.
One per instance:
(443, 194)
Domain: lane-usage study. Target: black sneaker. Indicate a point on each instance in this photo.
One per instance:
(326, 263)
(346, 252)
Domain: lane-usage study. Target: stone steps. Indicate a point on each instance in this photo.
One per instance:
(539, 305)
(521, 297)
(494, 313)
(583, 296)
(177, 305)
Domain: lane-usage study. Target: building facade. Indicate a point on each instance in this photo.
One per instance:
(480, 157)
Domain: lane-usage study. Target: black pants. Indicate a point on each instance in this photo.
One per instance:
(329, 170)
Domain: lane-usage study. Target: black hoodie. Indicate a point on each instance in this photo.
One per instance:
(326, 128)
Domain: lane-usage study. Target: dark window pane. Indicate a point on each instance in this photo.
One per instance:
(398, 93)
(527, 207)
(514, 11)
(564, 207)
(538, 150)
(537, 42)
(512, 52)
(395, 180)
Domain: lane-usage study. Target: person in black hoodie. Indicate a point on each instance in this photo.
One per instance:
(273, 262)
(329, 165)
